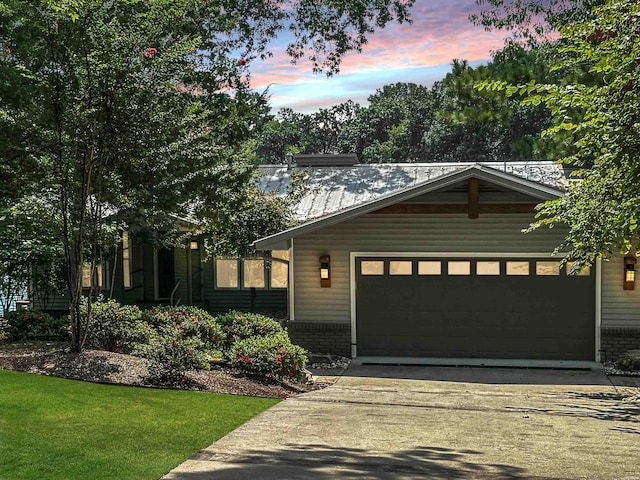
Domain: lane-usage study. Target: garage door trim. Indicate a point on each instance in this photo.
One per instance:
(470, 255)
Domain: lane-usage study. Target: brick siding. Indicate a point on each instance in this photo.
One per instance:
(618, 340)
(318, 337)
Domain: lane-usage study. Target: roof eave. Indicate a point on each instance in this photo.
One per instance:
(482, 172)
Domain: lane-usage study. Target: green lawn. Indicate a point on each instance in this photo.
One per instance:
(63, 429)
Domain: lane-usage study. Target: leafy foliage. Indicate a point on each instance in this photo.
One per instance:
(4, 330)
(531, 21)
(170, 353)
(248, 214)
(32, 254)
(629, 361)
(237, 326)
(34, 325)
(601, 119)
(190, 321)
(113, 327)
(406, 122)
(269, 356)
(135, 110)
(179, 339)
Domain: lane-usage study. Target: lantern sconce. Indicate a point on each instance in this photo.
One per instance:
(325, 271)
(193, 245)
(629, 273)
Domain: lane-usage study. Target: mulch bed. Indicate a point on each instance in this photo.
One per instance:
(54, 358)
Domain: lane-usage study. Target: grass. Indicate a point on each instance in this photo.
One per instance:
(64, 429)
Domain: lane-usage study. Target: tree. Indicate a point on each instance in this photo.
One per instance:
(390, 128)
(33, 261)
(603, 121)
(134, 110)
(531, 21)
(472, 125)
(294, 133)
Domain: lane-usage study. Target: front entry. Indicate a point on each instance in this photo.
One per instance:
(166, 278)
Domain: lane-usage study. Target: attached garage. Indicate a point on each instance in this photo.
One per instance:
(430, 261)
(465, 307)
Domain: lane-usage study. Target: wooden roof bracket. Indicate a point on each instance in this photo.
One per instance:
(473, 204)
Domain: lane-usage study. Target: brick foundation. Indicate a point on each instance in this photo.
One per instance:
(615, 341)
(318, 337)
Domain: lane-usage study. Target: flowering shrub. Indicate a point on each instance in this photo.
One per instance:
(35, 325)
(180, 339)
(114, 327)
(189, 321)
(271, 356)
(237, 326)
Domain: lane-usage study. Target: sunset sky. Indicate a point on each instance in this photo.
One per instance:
(420, 52)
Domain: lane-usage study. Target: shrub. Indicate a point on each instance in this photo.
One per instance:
(114, 327)
(35, 325)
(629, 360)
(271, 356)
(4, 330)
(238, 326)
(181, 338)
(192, 322)
(171, 353)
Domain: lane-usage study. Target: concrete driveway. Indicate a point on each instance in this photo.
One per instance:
(380, 422)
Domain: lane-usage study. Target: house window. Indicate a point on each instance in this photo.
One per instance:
(253, 274)
(126, 260)
(86, 275)
(280, 269)
(226, 273)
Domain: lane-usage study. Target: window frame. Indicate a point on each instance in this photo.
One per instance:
(240, 265)
(127, 282)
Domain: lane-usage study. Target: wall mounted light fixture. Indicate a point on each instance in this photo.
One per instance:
(325, 271)
(193, 245)
(629, 273)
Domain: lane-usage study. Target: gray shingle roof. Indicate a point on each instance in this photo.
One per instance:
(336, 188)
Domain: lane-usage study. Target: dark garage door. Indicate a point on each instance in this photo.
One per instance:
(482, 308)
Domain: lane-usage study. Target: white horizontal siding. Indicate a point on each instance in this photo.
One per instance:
(399, 233)
(620, 308)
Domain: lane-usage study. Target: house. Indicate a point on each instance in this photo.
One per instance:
(140, 274)
(408, 260)
(430, 260)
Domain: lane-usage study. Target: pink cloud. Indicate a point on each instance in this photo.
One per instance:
(441, 32)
